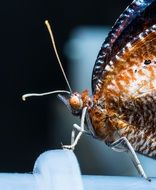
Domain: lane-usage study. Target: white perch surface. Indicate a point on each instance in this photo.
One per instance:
(59, 169)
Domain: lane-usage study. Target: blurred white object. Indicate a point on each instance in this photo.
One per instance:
(57, 170)
(53, 170)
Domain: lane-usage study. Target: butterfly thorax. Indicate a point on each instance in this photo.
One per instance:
(99, 115)
(78, 101)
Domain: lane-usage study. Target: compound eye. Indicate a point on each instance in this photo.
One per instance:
(75, 102)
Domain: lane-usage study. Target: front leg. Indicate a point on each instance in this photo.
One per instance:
(74, 140)
(122, 145)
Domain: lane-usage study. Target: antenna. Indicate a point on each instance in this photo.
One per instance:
(56, 53)
(25, 96)
(43, 94)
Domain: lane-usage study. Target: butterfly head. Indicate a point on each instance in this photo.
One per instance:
(76, 101)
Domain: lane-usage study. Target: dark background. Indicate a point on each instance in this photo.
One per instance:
(28, 64)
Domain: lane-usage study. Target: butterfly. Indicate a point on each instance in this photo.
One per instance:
(122, 109)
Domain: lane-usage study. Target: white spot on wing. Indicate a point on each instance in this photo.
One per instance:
(141, 36)
(108, 68)
(117, 57)
(129, 45)
(111, 62)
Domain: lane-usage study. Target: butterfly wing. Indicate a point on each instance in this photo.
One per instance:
(129, 89)
(137, 17)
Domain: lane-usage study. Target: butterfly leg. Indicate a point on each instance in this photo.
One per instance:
(122, 145)
(74, 140)
(73, 133)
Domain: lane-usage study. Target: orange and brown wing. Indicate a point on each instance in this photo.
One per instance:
(139, 16)
(129, 89)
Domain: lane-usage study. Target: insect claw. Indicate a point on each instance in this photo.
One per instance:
(70, 147)
(148, 179)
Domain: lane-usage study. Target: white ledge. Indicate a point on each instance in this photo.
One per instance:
(59, 169)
